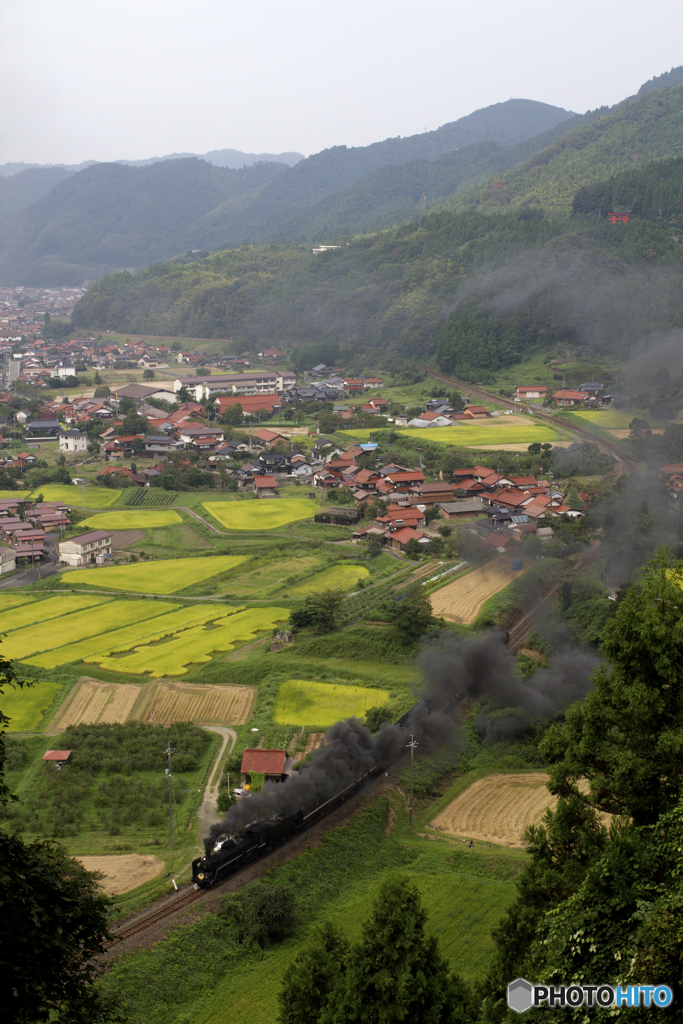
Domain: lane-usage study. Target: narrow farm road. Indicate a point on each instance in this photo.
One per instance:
(208, 812)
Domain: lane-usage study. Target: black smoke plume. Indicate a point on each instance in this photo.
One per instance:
(454, 670)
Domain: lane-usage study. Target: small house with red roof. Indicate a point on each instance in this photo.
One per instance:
(265, 486)
(271, 763)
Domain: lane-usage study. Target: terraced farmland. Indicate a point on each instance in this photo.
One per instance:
(150, 626)
(462, 600)
(201, 704)
(269, 577)
(263, 514)
(336, 577)
(27, 612)
(135, 520)
(304, 702)
(95, 497)
(498, 808)
(193, 646)
(162, 577)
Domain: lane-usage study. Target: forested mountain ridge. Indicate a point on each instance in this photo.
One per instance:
(653, 193)
(649, 128)
(74, 233)
(472, 292)
(21, 190)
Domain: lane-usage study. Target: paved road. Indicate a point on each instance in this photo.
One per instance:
(30, 576)
(208, 813)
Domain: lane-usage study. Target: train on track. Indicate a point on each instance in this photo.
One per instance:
(231, 854)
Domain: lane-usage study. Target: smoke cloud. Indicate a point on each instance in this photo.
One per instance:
(454, 670)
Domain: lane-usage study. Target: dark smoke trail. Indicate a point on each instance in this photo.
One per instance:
(453, 669)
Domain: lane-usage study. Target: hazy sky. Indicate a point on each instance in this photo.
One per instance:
(107, 79)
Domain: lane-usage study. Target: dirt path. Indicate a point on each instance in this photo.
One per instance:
(208, 812)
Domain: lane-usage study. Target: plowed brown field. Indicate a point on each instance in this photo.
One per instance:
(123, 872)
(92, 701)
(498, 808)
(462, 600)
(202, 704)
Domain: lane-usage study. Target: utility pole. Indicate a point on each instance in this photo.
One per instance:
(413, 743)
(170, 750)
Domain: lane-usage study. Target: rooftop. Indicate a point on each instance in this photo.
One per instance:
(266, 762)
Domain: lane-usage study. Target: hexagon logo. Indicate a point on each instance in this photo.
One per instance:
(520, 995)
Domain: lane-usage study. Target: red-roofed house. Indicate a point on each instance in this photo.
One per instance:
(534, 391)
(400, 538)
(270, 763)
(265, 486)
(567, 397)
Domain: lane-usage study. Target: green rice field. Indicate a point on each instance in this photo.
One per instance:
(95, 497)
(162, 577)
(336, 577)
(6, 493)
(610, 419)
(485, 432)
(195, 645)
(303, 702)
(270, 577)
(26, 707)
(261, 514)
(136, 520)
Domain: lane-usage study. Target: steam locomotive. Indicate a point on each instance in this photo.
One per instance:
(232, 853)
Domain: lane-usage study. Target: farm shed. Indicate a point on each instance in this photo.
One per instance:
(270, 763)
(56, 757)
(471, 509)
(341, 516)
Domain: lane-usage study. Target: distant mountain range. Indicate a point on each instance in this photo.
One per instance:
(63, 226)
(218, 157)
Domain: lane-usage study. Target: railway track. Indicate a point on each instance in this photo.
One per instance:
(525, 626)
(629, 464)
(142, 923)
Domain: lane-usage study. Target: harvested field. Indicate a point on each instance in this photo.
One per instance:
(92, 701)
(462, 600)
(121, 539)
(313, 741)
(123, 872)
(497, 809)
(621, 434)
(201, 704)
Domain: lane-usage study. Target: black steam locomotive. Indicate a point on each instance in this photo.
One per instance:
(260, 838)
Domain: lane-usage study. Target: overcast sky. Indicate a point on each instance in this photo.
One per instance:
(127, 79)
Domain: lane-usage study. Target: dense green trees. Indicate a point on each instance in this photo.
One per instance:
(52, 925)
(394, 975)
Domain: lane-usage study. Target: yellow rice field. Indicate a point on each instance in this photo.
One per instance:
(95, 497)
(194, 646)
(155, 620)
(304, 702)
(136, 519)
(261, 514)
(162, 577)
(336, 577)
(33, 612)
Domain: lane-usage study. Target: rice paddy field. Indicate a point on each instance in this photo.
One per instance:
(137, 519)
(152, 622)
(26, 707)
(95, 497)
(498, 430)
(610, 419)
(303, 702)
(92, 702)
(159, 577)
(336, 577)
(261, 514)
(270, 577)
(192, 646)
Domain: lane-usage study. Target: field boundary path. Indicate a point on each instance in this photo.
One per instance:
(629, 464)
(208, 812)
